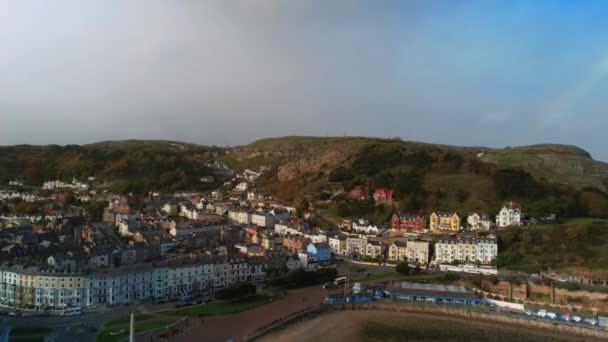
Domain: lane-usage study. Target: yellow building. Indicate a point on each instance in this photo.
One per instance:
(442, 221)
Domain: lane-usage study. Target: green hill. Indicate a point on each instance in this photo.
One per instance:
(121, 166)
(319, 170)
(426, 177)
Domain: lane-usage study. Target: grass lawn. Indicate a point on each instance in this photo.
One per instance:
(221, 307)
(380, 276)
(110, 332)
(126, 320)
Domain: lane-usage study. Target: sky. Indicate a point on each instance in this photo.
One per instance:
(484, 73)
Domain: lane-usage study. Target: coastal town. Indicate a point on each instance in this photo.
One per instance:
(185, 247)
(159, 247)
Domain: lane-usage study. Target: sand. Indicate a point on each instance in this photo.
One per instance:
(391, 326)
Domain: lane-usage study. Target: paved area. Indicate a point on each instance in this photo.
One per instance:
(239, 325)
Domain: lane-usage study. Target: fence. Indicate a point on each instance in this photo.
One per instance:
(152, 335)
(282, 322)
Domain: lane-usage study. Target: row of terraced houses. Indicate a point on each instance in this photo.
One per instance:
(41, 289)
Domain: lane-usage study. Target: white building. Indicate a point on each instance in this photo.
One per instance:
(269, 218)
(337, 244)
(479, 221)
(240, 216)
(41, 289)
(364, 227)
(242, 187)
(283, 229)
(251, 175)
(356, 246)
(449, 250)
(417, 252)
(171, 208)
(509, 215)
(487, 249)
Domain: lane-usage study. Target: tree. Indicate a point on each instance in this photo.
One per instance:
(302, 208)
(95, 210)
(236, 291)
(403, 268)
(324, 196)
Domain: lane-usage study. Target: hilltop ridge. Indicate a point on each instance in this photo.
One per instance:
(299, 166)
(294, 155)
(424, 176)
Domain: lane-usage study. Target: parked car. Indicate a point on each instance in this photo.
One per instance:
(590, 321)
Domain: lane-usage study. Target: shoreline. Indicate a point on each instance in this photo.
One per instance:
(532, 329)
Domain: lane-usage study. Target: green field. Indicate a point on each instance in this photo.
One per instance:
(221, 307)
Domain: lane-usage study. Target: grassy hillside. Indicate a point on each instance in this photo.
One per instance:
(132, 165)
(561, 164)
(427, 176)
(579, 245)
(318, 170)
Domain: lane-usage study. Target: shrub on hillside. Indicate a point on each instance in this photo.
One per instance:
(303, 278)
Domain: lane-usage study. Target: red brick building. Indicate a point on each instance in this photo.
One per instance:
(382, 195)
(360, 192)
(401, 223)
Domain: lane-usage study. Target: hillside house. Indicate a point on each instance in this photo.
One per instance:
(364, 227)
(509, 215)
(442, 221)
(360, 192)
(407, 223)
(479, 221)
(384, 196)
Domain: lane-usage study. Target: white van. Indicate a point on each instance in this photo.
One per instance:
(72, 311)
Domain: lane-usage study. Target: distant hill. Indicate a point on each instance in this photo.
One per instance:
(426, 176)
(319, 171)
(562, 164)
(131, 165)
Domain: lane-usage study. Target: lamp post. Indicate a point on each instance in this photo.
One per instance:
(132, 328)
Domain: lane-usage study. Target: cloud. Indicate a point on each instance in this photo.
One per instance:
(229, 72)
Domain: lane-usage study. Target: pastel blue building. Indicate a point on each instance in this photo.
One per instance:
(439, 294)
(320, 251)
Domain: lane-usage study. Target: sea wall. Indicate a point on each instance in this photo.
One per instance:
(471, 312)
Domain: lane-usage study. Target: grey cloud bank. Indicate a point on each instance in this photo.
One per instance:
(229, 72)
